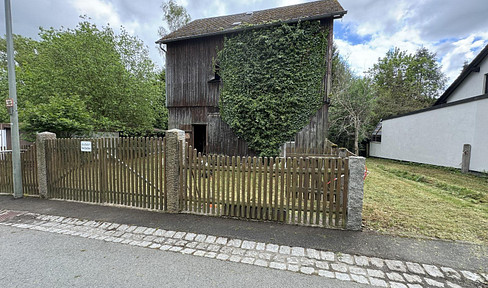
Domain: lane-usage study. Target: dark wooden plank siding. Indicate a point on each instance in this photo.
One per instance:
(189, 67)
(183, 117)
(221, 139)
(315, 133)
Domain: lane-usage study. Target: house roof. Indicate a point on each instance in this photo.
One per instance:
(474, 66)
(233, 23)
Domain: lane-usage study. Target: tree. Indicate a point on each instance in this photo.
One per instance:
(24, 56)
(352, 99)
(64, 115)
(174, 15)
(110, 77)
(406, 82)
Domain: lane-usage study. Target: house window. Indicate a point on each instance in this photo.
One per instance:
(486, 84)
(376, 136)
(216, 77)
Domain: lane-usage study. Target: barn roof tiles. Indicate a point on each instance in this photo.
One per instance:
(256, 19)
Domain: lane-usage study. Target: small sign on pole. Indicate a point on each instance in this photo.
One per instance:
(86, 146)
(9, 102)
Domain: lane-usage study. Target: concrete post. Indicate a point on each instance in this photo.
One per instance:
(355, 195)
(466, 158)
(172, 173)
(41, 161)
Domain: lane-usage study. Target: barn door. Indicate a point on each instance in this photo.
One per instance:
(200, 137)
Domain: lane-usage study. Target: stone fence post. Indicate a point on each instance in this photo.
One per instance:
(41, 161)
(172, 172)
(356, 192)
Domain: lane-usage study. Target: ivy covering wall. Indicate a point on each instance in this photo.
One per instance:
(272, 81)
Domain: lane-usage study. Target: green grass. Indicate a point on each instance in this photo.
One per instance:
(418, 200)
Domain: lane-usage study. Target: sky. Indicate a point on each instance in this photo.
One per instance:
(455, 30)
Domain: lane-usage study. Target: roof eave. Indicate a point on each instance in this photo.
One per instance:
(336, 15)
(474, 66)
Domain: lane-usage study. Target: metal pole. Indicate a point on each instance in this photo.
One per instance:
(14, 119)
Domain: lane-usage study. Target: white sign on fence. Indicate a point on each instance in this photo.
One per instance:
(86, 146)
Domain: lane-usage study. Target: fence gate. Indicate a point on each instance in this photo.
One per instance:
(29, 171)
(124, 171)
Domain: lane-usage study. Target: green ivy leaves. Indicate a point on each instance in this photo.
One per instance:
(272, 82)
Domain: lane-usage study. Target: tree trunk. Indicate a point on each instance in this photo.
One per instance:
(356, 137)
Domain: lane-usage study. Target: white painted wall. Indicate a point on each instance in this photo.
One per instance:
(3, 139)
(473, 85)
(437, 136)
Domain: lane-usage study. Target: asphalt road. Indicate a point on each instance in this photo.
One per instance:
(31, 258)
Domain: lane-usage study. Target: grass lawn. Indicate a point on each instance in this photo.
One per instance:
(418, 200)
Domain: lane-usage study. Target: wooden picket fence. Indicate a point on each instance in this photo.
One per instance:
(328, 149)
(124, 171)
(29, 171)
(308, 191)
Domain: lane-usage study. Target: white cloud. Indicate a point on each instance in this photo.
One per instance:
(98, 10)
(409, 25)
(290, 2)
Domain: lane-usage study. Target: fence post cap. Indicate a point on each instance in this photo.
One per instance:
(174, 130)
(45, 135)
(357, 157)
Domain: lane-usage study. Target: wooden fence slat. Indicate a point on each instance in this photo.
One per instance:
(194, 177)
(130, 168)
(319, 192)
(119, 164)
(189, 191)
(110, 156)
(266, 191)
(145, 174)
(215, 194)
(301, 183)
(217, 182)
(325, 192)
(248, 194)
(260, 185)
(282, 190)
(332, 190)
(294, 190)
(306, 189)
(254, 177)
(199, 182)
(310, 191)
(137, 171)
(238, 187)
(161, 172)
(204, 191)
(275, 194)
(125, 171)
(289, 164)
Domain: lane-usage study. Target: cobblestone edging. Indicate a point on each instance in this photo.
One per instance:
(360, 269)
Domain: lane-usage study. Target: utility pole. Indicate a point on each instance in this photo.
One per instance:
(14, 117)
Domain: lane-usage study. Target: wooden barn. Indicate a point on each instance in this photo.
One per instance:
(192, 85)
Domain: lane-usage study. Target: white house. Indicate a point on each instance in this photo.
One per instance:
(436, 135)
(4, 136)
